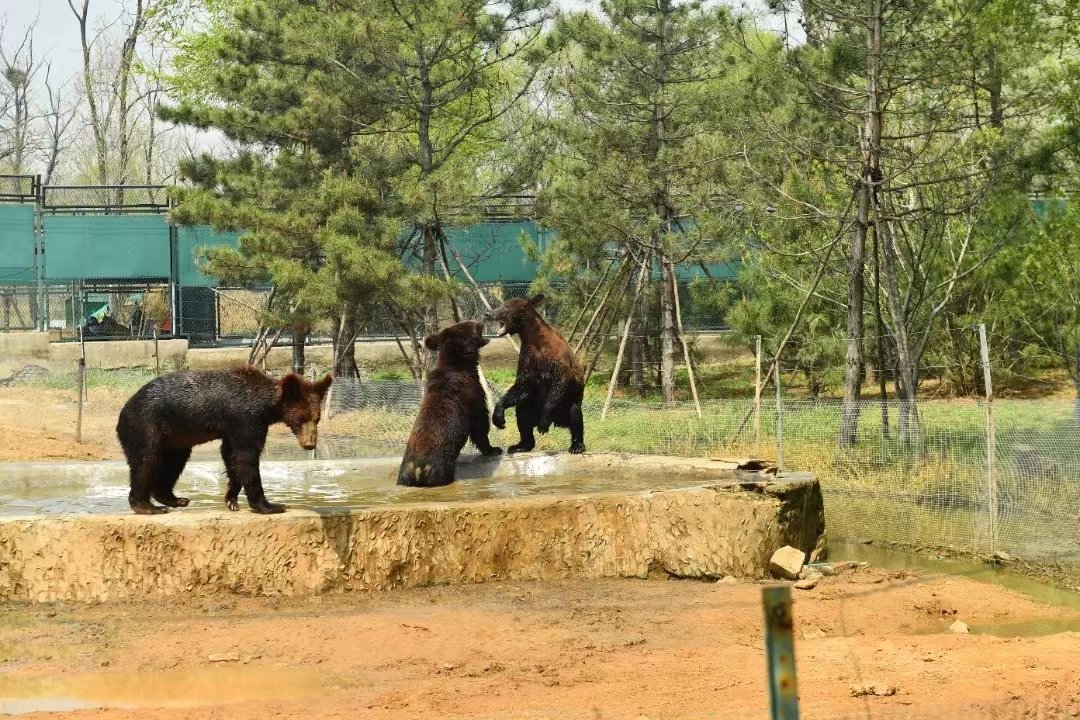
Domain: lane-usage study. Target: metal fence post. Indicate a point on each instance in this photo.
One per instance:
(780, 652)
(81, 377)
(157, 355)
(757, 394)
(991, 440)
(779, 420)
(311, 378)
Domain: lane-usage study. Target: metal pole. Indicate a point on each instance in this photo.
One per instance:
(311, 378)
(991, 441)
(82, 388)
(779, 421)
(757, 393)
(780, 652)
(157, 355)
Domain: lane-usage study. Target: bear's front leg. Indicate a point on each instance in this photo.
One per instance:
(478, 433)
(245, 464)
(513, 396)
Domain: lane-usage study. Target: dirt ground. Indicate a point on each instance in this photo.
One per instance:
(39, 425)
(599, 649)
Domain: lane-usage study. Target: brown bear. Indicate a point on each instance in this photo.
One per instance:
(550, 381)
(454, 409)
(170, 415)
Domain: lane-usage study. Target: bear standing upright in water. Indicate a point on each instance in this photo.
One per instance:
(454, 409)
(172, 414)
(550, 381)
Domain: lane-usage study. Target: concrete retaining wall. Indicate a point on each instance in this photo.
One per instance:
(28, 345)
(702, 532)
(114, 354)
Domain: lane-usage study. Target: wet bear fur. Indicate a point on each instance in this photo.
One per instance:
(550, 381)
(454, 409)
(170, 415)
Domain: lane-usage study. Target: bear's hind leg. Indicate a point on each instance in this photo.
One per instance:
(577, 430)
(526, 421)
(172, 465)
(144, 474)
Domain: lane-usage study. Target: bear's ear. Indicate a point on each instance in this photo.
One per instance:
(536, 300)
(290, 388)
(431, 342)
(322, 386)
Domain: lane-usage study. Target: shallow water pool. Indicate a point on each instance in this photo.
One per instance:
(102, 488)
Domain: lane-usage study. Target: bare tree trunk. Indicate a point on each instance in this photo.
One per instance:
(668, 333)
(299, 359)
(871, 173)
(97, 122)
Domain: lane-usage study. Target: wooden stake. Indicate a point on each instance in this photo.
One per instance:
(479, 290)
(625, 335)
(685, 347)
(588, 301)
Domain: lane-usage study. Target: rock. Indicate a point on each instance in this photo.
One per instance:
(874, 689)
(787, 563)
(728, 580)
(1002, 556)
(959, 627)
(813, 634)
(233, 656)
(808, 583)
(447, 666)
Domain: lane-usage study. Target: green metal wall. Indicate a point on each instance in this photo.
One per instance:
(17, 245)
(493, 250)
(106, 246)
(190, 238)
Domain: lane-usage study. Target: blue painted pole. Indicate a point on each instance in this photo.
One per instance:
(780, 652)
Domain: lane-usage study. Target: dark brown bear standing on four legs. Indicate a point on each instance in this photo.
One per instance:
(170, 415)
(453, 410)
(550, 381)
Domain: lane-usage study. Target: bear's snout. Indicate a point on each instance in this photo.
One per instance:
(308, 435)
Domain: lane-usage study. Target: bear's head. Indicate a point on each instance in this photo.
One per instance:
(459, 345)
(300, 403)
(514, 314)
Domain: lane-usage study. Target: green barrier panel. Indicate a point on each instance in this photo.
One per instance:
(106, 246)
(188, 240)
(17, 245)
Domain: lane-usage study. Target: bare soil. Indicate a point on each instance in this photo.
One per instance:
(600, 649)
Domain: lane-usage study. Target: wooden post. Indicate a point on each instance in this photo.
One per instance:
(625, 336)
(476, 286)
(991, 439)
(757, 393)
(685, 346)
(780, 652)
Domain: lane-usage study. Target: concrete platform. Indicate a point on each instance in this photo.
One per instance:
(721, 520)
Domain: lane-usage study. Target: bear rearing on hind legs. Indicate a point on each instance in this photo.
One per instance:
(170, 415)
(454, 409)
(550, 381)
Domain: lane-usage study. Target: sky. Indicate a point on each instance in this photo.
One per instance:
(58, 32)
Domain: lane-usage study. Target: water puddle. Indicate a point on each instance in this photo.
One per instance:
(167, 689)
(1051, 595)
(325, 489)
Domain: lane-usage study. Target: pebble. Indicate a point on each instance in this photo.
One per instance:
(959, 627)
(225, 657)
(808, 583)
(875, 690)
(728, 580)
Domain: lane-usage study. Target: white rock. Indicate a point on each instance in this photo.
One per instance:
(959, 627)
(787, 562)
(808, 583)
(233, 656)
(728, 580)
